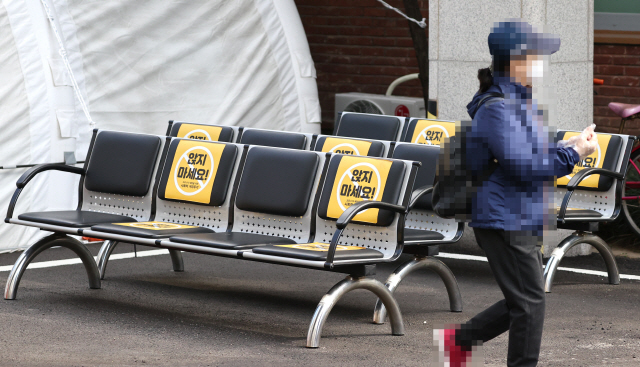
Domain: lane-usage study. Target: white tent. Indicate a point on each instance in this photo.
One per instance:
(137, 65)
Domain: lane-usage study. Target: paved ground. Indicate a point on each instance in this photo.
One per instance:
(226, 312)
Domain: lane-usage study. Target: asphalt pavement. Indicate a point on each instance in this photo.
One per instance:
(228, 312)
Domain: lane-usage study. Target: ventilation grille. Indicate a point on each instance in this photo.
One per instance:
(130, 206)
(427, 221)
(363, 106)
(383, 239)
(216, 218)
(602, 202)
(295, 228)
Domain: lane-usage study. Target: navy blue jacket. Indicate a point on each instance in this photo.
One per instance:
(518, 196)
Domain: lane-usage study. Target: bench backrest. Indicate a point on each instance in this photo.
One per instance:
(429, 132)
(120, 172)
(596, 192)
(421, 216)
(276, 192)
(351, 179)
(352, 146)
(190, 130)
(195, 185)
(275, 138)
(369, 126)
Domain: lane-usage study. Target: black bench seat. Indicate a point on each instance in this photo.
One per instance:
(74, 218)
(230, 240)
(581, 213)
(411, 235)
(263, 204)
(318, 251)
(149, 229)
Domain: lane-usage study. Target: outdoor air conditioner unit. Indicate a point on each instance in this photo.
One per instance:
(380, 104)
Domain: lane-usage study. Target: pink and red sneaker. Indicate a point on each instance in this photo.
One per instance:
(450, 354)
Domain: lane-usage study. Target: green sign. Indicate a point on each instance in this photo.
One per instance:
(617, 6)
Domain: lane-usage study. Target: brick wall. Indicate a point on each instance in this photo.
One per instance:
(619, 66)
(358, 46)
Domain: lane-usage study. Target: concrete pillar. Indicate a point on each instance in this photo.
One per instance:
(458, 34)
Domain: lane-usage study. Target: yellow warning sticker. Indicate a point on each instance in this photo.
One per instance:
(432, 132)
(319, 246)
(358, 179)
(346, 146)
(558, 208)
(193, 171)
(596, 159)
(199, 132)
(156, 226)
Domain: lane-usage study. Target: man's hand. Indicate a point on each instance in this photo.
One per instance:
(585, 143)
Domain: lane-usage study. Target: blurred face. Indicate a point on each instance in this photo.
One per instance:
(527, 70)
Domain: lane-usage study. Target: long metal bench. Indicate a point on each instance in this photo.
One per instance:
(590, 195)
(307, 209)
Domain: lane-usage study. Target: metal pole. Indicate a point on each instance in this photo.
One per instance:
(55, 239)
(345, 286)
(176, 260)
(440, 268)
(104, 254)
(575, 239)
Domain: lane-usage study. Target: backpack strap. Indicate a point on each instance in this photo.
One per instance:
(489, 99)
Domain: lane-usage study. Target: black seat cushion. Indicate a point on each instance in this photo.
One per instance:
(74, 218)
(277, 181)
(428, 156)
(197, 172)
(189, 130)
(149, 229)
(581, 213)
(318, 252)
(349, 146)
(122, 163)
(609, 150)
(414, 235)
(277, 139)
(340, 189)
(230, 240)
(363, 126)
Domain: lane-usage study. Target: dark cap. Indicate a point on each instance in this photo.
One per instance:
(515, 37)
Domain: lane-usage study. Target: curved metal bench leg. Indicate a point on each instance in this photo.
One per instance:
(103, 255)
(347, 285)
(176, 260)
(55, 239)
(428, 262)
(108, 247)
(575, 239)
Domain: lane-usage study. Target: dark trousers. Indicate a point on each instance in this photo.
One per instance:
(516, 262)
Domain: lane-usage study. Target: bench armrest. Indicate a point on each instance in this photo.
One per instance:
(353, 210)
(575, 181)
(347, 217)
(418, 193)
(31, 173)
(578, 177)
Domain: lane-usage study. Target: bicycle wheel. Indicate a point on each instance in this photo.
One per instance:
(631, 193)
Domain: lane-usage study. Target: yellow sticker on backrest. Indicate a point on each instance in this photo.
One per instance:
(346, 146)
(156, 226)
(319, 246)
(199, 132)
(432, 132)
(358, 179)
(596, 159)
(193, 171)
